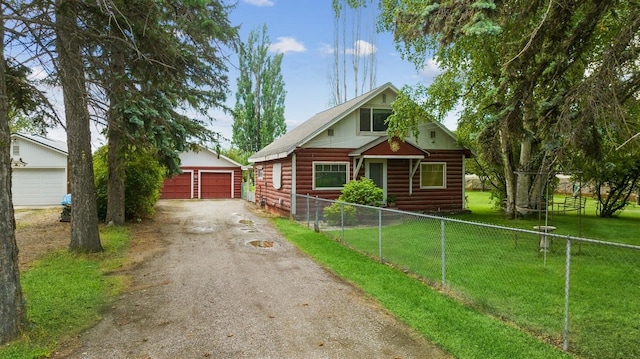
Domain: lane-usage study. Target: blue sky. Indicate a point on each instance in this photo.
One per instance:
(303, 30)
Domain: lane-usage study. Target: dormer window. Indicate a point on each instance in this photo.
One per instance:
(374, 119)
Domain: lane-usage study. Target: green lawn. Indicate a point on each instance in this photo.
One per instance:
(66, 293)
(462, 331)
(504, 274)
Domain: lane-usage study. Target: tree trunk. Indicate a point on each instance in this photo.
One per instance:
(509, 175)
(116, 176)
(116, 154)
(13, 315)
(85, 236)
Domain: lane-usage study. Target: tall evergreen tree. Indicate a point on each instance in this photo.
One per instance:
(85, 236)
(161, 56)
(258, 116)
(13, 315)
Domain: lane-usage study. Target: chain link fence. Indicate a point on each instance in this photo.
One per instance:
(579, 294)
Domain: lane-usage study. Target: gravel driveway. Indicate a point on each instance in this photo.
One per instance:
(211, 293)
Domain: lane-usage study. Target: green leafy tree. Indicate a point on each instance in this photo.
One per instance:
(144, 178)
(534, 79)
(258, 116)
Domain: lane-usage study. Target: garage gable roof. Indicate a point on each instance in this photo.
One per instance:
(55, 145)
(231, 162)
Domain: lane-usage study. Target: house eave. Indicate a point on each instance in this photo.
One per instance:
(275, 156)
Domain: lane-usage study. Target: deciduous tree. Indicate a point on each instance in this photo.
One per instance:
(535, 78)
(258, 116)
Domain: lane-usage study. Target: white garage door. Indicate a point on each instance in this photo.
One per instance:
(38, 187)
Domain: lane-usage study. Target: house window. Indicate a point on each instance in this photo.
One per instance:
(260, 171)
(373, 119)
(433, 175)
(16, 150)
(330, 175)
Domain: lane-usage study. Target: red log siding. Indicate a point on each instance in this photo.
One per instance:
(304, 169)
(441, 199)
(402, 148)
(436, 199)
(276, 200)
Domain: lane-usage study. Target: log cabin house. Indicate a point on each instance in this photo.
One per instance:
(349, 141)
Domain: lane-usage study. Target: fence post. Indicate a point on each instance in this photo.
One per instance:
(567, 277)
(380, 234)
(316, 224)
(308, 212)
(342, 221)
(442, 245)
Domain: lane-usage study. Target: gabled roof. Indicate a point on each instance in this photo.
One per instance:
(56, 145)
(285, 145)
(202, 148)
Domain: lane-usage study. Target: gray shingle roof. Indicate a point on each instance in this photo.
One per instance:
(306, 131)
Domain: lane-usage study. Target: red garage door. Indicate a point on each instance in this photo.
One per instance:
(215, 185)
(178, 187)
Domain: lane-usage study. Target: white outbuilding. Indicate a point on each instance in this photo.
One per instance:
(39, 170)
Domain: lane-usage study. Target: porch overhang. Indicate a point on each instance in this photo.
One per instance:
(382, 148)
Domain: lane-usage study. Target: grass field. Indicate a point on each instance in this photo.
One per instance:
(503, 273)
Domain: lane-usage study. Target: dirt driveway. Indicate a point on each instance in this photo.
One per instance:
(201, 289)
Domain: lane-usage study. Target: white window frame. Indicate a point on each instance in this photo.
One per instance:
(315, 163)
(371, 109)
(444, 174)
(260, 173)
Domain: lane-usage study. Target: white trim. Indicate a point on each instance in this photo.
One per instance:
(294, 187)
(393, 157)
(313, 174)
(212, 171)
(357, 164)
(444, 175)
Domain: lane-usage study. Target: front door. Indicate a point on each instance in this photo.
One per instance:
(376, 170)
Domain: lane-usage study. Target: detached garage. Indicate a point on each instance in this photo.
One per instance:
(206, 175)
(39, 170)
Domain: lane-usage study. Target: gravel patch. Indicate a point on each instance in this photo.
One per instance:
(219, 281)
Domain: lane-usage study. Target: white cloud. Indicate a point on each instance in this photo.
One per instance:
(327, 49)
(287, 44)
(260, 2)
(430, 70)
(362, 48)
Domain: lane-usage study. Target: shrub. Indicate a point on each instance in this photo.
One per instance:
(143, 181)
(363, 191)
(333, 214)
